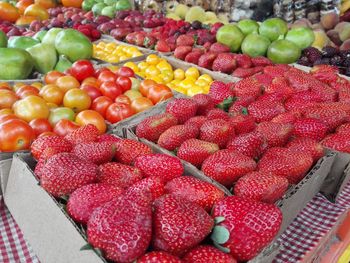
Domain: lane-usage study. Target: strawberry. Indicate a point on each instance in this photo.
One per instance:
(119, 175)
(251, 226)
(163, 166)
(339, 142)
(162, 46)
(217, 114)
(325, 93)
(127, 150)
(196, 121)
(83, 201)
(344, 129)
(264, 79)
(173, 137)
(95, 152)
(260, 186)
(289, 117)
(219, 91)
(293, 104)
(325, 73)
(217, 131)
(185, 40)
(264, 110)
(276, 134)
(196, 151)
(206, 254)
(154, 185)
(182, 109)
(240, 105)
(193, 57)
(182, 51)
(187, 224)
(279, 85)
(219, 48)
(242, 123)
(57, 143)
(298, 80)
(44, 157)
(227, 166)
(246, 72)
(248, 87)
(158, 256)
(243, 61)
(275, 97)
(204, 102)
(261, 62)
(107, 138)
(207, 59)
(152, 127)
(65, 172)
(275, 71)
(310, 128)
(84, 134)
(194, 190)
(122, 228)
(307, 145)
(250, 144)
(225, 63)
(287, 163)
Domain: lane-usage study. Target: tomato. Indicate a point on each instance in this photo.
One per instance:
(52, 76)
(7, 111)
(7, 117)
(159, 93)
(91, 81)
(111, 89)
(7, 99)
(64, 127)
(61, 113)
(100, 70)
(25, 20)
(82, 69)
(52, 94)
(118, 111)
(72, 3)
(145, 85)
(47, 134)
(125, 72)
(26, 91)
(15, 135)
(123, 99)
(37, 85)
(38, 11)
(5, 85)
(133, 94)
(17, 85)
(23, 4)
(51, 105)
(101, 104)
(124, 83)
(40, 126)
(77, 99)
(66, 83)
(30, 108)
(8, 12)
(92, 91)
(107, 76)
(46, 3)
(141, 104)
(91, 117)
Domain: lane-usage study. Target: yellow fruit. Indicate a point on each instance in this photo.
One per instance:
(206, 89)
(38, 85)
(166, 77)
(141, 74)
(187, 83)
(179, 74)
(152, 59)
(206, 77)
(180, 89)
(192, 72)
(157, 79)
(136, 54)
(132, 65)
(201, 82)
(152, 71)
(195, 90)
(143, 65)
(176, 82)
(164, 65)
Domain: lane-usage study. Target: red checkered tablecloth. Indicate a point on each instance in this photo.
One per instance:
(315, 220)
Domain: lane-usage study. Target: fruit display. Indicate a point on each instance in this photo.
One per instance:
(106, 7)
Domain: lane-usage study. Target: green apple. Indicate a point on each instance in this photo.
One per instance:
(231, 36)
(248, 26)
(283, 52)
(301, 36)
(273, 28)
(255, 45)
(108, 11)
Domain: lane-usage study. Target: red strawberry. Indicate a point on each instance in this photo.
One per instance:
(275, 71)
(173, 137)
(44, 157)
(251, 225)
(344, 129)
(118, 174)
(162, 46)
(193, 57)
(157, 257)
(196, 121)
(83, 201)
(219, 48)
(217, 114)
(325, 73)
(204, 102)
(185, 40)
(108, 138)
(247, 88)
(177, 215)
(293, 104)
(307, 145)
(127, 150)
(261, 61)
(289, 117)
(206, 60)
(279, 85)
(325, 93)
(243, 61)
(196, 151)
(264, 79)
(286, 163)
(182, 109)
(194, 190)
(310, 128)
(95, 152)
(240, 106)
(154, 185)
(227, 166)
(57, 143)
(242, 123)
(250, 144)
(217, 131)
(276, 134)
(299, 80)
(182, 51)
(246, 72)
(163, 166)
(152, 127)
(87, 133)
(122, 228)
(272, 97)
(206, 254)
(65, 172)
(339, 142)
(264, 110)
(225, 63)
(260, 186)
(219, 91)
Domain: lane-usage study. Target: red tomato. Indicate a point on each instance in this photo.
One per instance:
(82, 69)
(101, 105)
(64, 127)
(40, 126)
(123, 99)
(15, 135)
(47, 134)
(111, 89)
(7, 98)
(125, 72)
(92, 91)
(91, 117)
(26, 91)
(106, 76)
(145, 85)
(99, 71)
(52, 76)
(141, 104)
(159, 93)
(7, 117)
(118, 111)
(124, 83)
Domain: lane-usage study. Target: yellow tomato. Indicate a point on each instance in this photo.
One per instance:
(38, 85)
(206, 89)
(201, 82)
(152, 71)
(143, 65)
(187, 83)
(192, 72)
(180, 89)
(206, 77)
(157, 79)
(166, 78)
(132, 65)
(152, 59)
(179, 74)
(194, 90)
(164, 65)
(136, 54)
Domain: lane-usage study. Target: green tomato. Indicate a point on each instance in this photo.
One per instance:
(60, 113)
